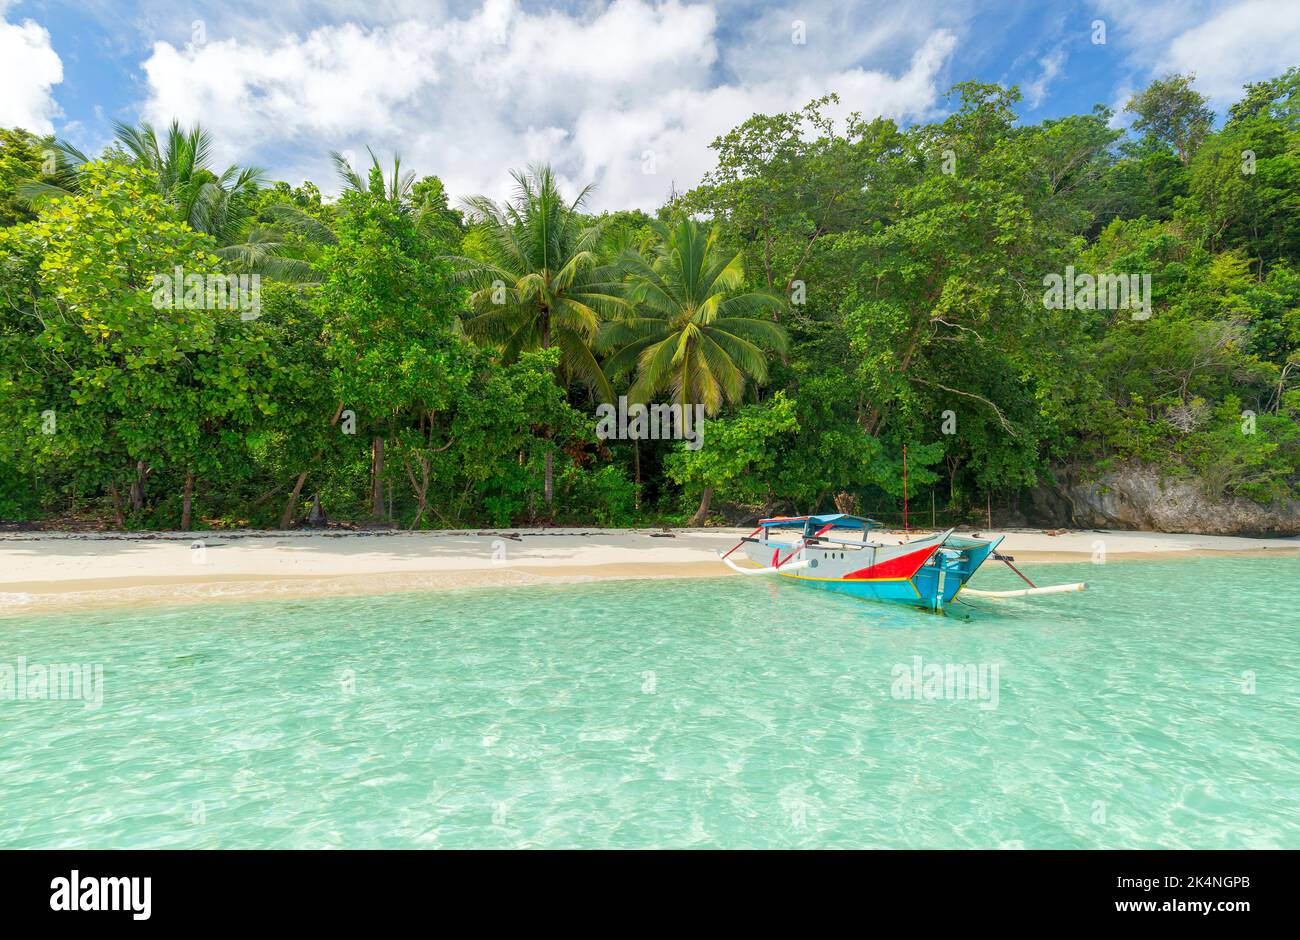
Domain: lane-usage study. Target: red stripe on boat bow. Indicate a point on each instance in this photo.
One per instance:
(904, 566)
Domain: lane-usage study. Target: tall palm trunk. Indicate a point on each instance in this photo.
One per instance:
(137, 486)
(636, 452)
(703, 512)
(548, 484)
(119, 516)
(291, 506)
(377, 492)
(548, 473)
(187, 501)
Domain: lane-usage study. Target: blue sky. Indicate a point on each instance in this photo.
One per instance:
(626, 93)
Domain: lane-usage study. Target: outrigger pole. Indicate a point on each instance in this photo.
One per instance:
(794, 566)
(742, 541)
(1007, 560)
(1027, 592)
(778, 563)
(1032, 590)
(798, 548)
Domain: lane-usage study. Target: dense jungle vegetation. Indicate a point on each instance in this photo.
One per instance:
(831, 292)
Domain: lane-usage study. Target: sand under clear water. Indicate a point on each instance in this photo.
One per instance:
(1159, 708)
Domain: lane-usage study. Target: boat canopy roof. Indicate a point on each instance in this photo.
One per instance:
(839, 520)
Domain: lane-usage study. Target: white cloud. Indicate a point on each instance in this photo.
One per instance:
(1119, 118)
(1148, 25)
(837, 35)
(1245, 42)
(471, 98)
(1035, 90)
(29, 70)
(1227, 43)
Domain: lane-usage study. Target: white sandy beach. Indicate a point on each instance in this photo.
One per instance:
(44, 571)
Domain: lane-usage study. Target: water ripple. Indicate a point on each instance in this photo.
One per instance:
(1157, 709)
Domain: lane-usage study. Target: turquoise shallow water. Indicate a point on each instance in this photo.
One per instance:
(698, 713)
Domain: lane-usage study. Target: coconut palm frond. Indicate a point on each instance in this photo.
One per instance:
(38, 194)
(707, 343)
(627, 357)
(580, 362)
(756, 304)
(303, 224)
(760, 332)
(545, 260)
(343, 166)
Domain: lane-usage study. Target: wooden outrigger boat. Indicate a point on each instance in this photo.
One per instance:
(925, 572)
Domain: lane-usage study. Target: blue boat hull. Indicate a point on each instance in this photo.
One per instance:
(932, 587)
(925, 572)
(920, 591)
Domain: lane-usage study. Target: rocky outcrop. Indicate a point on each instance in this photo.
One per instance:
(1138, 497)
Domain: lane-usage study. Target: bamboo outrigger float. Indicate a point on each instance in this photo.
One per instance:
(925, 572)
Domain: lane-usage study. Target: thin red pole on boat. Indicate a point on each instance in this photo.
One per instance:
(1017, 571)
(742, 541)
(802, 543)
(904, 489)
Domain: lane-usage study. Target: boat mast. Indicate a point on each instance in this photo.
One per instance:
(904, 489)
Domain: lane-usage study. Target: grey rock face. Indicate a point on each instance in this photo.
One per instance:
(1138, 497)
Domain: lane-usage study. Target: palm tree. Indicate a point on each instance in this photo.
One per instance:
(687, 337)
(211, 202)
(543, 282)
(397, 187)
(425, 200)
(690, 336)
(61, 169)
(217, 204)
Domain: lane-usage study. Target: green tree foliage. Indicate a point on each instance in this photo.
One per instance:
(28, 161)
(540, 281)
(388, 305)
(783, 182)
(834, 291)
(1172, 112)
(137, 393)
(219, 204)
(740, 459)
